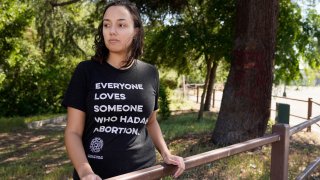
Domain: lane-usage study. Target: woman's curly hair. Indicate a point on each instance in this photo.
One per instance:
(136, 47)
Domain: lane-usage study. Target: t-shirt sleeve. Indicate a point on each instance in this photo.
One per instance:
(157, 81)
(76, 93)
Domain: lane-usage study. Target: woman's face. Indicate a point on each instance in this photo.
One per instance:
(118, 29)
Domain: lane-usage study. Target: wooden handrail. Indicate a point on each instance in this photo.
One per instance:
(279, 156)
(154, 172)
(316, 103)
(303, 125)
(292, 115)
(220, 153)
(309, 169)
(163, 170)
(298, 116)
(290, 98)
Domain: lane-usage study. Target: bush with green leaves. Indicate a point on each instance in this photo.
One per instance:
(164, 101)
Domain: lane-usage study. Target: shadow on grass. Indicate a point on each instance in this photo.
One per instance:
(33, 154)
(40, 154)
(247, 165)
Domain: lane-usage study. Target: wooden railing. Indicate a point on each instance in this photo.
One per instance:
(314, 164)
(279, 139)
(163, 170)
(309, 169)
(309, 102)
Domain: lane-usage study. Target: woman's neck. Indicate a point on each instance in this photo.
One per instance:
(116, 60)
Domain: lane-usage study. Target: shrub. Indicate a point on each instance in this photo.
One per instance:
(164, 102)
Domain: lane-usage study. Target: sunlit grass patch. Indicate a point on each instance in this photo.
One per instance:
(62, 172)
(41, 117)
(184, 124)
(15, 123)
(11, 124)
(179, 102)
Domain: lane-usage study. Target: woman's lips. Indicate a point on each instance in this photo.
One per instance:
(113, 41)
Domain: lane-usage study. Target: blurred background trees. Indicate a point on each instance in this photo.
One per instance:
(42, 41)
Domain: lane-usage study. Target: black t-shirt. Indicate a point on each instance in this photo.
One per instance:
(117, 104)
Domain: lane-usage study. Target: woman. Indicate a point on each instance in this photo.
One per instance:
(112, 103)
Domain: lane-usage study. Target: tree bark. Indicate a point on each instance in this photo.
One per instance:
(200, 113)
(245, 107)
(212, 78)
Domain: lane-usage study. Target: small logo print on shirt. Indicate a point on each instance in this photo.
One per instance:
(96, 145)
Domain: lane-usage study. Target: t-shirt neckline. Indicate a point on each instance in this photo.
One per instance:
(123, 70)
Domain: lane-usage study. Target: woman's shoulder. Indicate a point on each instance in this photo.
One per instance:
(87, 65)
(147, 69)
(143, 64)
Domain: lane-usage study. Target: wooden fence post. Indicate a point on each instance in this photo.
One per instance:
(309, 113)
(280, 153)
(213, 96)
(184, 86)
(197, 94)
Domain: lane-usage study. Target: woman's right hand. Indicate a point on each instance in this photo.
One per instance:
(91, 177)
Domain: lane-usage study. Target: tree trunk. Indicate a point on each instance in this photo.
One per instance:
(200, 113)
(184, 94)
(212, 78)
(245, 107)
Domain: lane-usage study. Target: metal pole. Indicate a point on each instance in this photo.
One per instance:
(284, 91)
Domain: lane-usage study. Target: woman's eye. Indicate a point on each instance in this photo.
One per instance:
(122, 25)
(106, 25)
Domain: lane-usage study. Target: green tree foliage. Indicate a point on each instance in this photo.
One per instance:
(206, 27)
(61, 29)
(15, 58)
(42, 41)
(164, 101)
(200, 33)
(41, 45)
(288, 34)
(13, 21)
(297, 42)
(311, 27)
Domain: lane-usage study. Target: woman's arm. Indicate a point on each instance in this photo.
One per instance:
(157, 138)
(74, 146)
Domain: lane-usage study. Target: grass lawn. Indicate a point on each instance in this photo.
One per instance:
(40, 154)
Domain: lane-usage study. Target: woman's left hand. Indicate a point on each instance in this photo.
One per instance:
(175, 160)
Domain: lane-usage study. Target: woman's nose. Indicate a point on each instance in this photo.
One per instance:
(113, 30)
